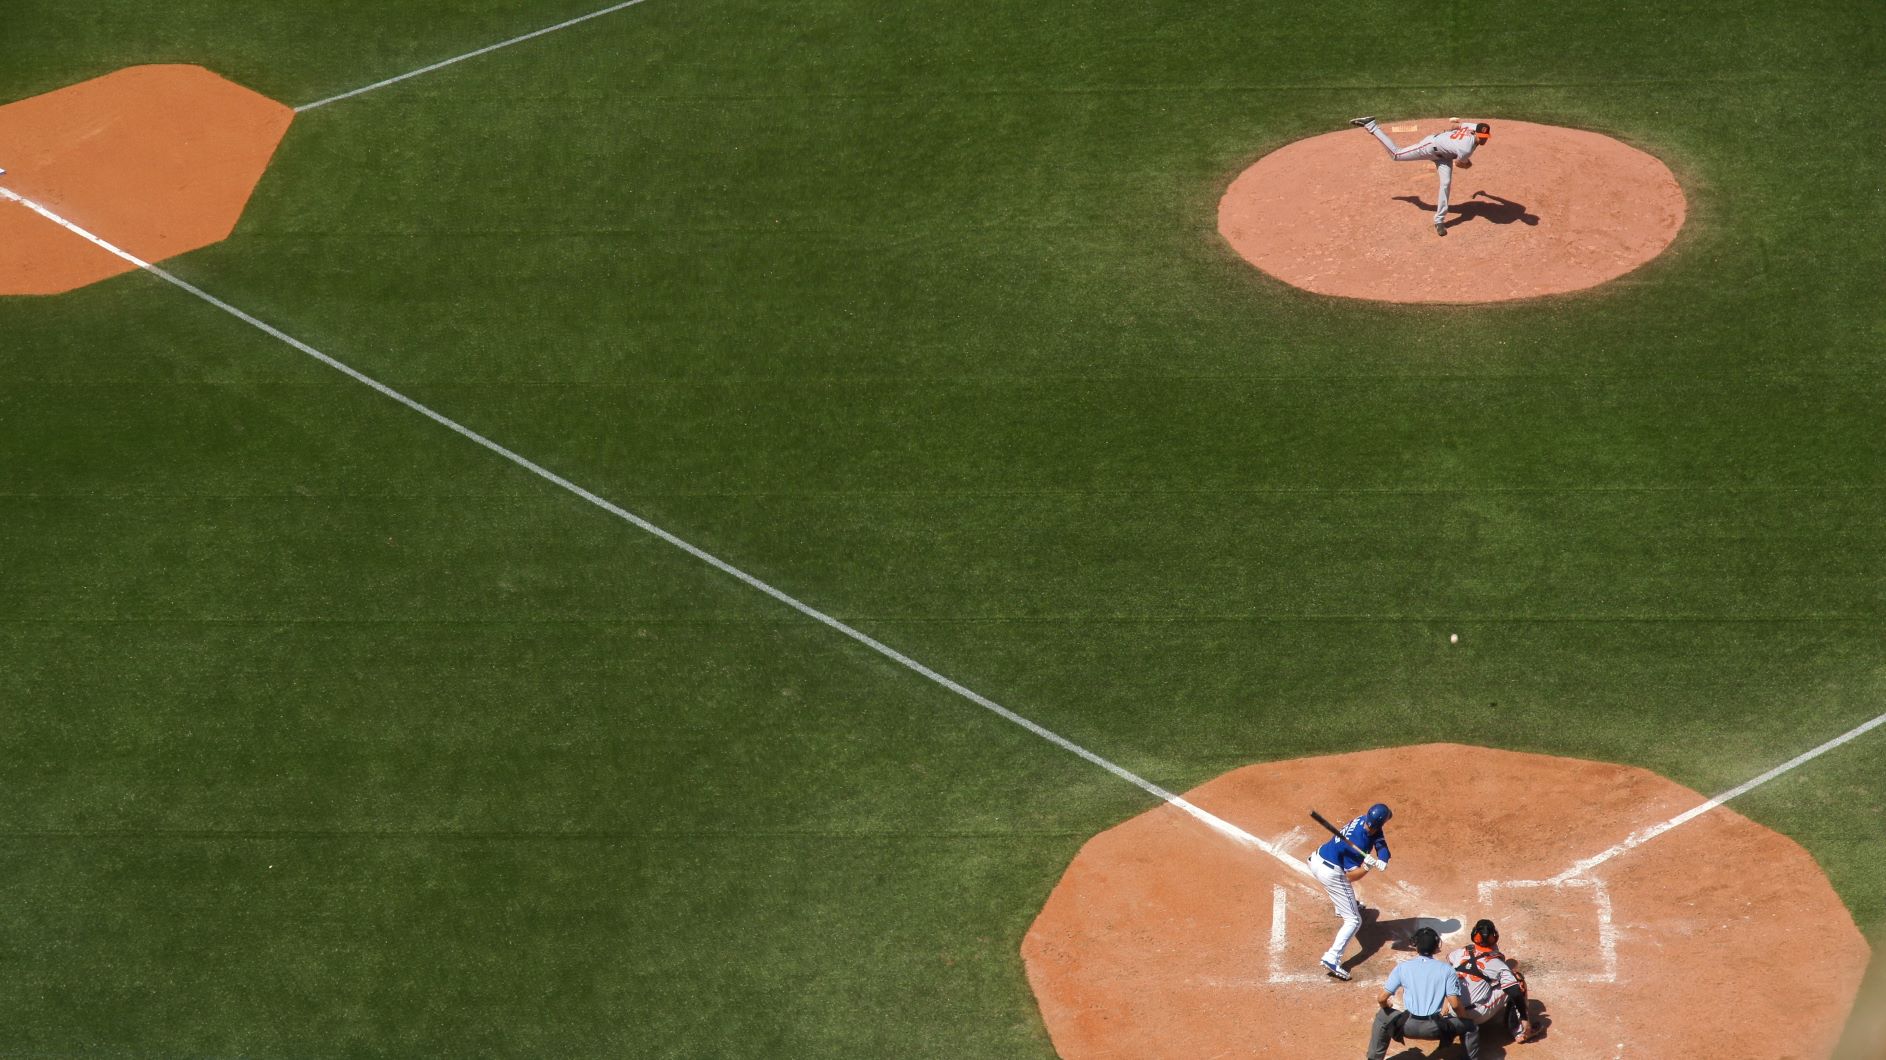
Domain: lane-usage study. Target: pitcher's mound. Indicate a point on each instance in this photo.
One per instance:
(1168, 939)
(1543, 210)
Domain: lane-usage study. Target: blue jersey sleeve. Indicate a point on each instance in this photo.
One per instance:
(1359, 835)
(1338, 853)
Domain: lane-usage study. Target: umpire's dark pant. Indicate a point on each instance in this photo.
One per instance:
(1431, 1028)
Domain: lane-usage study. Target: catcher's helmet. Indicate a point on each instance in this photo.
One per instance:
(1426, 941)
(1379, 814)
(1485, 935)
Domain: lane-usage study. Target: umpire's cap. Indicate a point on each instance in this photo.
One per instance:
(1426, 941)
(1379, 814)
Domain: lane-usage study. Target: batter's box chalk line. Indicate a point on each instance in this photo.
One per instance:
(1280, 938)
(1598, 893)
(1601, 908)
(1280, 971)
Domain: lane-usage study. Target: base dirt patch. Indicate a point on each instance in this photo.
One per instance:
(1543, 210)
(1718, 938)
(158, 160)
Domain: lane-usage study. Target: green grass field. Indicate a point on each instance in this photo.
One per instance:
(330, 733)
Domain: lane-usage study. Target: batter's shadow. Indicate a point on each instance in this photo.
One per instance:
(1500, 211)
(1396, 934)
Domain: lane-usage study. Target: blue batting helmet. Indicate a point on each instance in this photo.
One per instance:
(1379, 814)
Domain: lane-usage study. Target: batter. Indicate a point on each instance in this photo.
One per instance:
(1337, 865)
(1451, 147)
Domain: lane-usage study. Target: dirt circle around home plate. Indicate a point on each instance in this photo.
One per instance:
(1718, 937)
(1542, 210)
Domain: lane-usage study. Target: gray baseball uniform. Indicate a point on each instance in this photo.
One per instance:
(1443, 149)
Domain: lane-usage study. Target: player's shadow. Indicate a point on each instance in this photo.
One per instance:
(1396, 934)
(1498, 210)
(1536, 1017)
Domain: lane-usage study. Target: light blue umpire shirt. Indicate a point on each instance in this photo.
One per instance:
(1425, 982)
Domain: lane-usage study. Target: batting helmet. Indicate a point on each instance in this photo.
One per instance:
(1379, 814)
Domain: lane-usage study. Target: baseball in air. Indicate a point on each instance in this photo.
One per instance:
(1453, 638)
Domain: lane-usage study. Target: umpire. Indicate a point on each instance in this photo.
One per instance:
(1430, 1000)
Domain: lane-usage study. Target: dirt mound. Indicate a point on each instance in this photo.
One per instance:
(1168, 939)
(1543, 210)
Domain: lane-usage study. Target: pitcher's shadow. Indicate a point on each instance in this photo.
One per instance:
(1498, 210)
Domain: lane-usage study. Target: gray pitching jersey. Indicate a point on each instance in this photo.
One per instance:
(1451, 145)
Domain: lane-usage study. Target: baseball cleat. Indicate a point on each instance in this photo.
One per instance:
(1440, 228)
(1362, 123)
(1336, 971)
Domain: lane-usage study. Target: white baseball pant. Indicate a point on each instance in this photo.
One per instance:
(1342, 894)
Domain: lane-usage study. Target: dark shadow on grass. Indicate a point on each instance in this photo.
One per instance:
(1500, 211)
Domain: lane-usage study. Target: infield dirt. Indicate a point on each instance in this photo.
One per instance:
(157, 160)
(1167, 939)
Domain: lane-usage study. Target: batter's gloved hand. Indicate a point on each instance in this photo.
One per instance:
(1374, 862)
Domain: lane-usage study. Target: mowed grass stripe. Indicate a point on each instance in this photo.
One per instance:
(473, 54)
(1224, 828)
(899, 199)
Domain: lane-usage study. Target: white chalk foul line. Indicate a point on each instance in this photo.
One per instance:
(1575, 877)
(1212, 821)
(1646, 835)
(486, 50)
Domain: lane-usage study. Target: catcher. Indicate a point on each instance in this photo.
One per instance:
(1493, 990)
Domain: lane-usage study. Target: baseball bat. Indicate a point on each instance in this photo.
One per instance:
(1367, 858)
